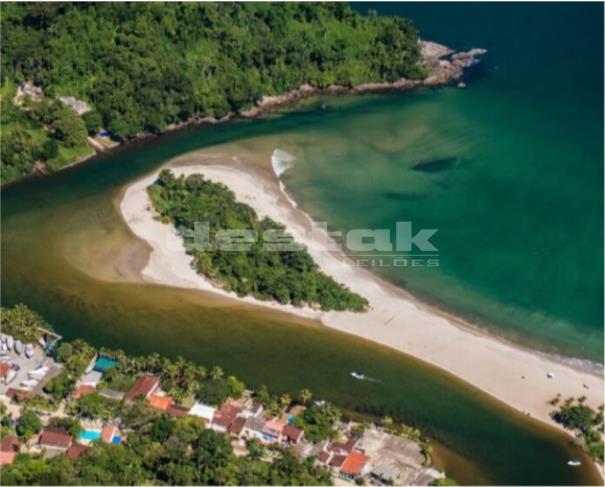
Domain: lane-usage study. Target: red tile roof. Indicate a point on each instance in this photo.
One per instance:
(226, 414)
(4, 369)
(176, 410)
(237, 426)
(160, 402)
(57, 439)
(344, 448)
(144, 386)
(354, 463)
(337, 460)
(324, 456)
(9, 443)
(7, 457)
(107, 432)
(292, 433)
(75, 450)
(83, 390)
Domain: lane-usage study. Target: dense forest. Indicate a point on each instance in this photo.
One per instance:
(142, 66)
(289, 277)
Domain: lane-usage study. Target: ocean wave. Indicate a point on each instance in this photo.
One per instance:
(281, 161)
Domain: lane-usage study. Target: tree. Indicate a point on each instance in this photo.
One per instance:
(216, 373)
(255, 449)
(64, 351)
(68, 424)
(92, 406)
(212, 452)
(69, 128)
(305, 396)
(92, 121)
(29, 424)
(50, 150)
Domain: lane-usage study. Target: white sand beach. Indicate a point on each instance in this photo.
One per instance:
(507, 372)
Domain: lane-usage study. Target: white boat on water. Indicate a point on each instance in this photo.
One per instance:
(358, 375)
(574, 463)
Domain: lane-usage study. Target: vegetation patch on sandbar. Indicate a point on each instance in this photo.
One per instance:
(288, 277)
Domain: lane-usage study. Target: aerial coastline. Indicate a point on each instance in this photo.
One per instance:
(516, 376)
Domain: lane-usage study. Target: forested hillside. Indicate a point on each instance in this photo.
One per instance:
(142, 66)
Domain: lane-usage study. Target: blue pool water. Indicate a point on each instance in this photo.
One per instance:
(104, 364)
(90, 435)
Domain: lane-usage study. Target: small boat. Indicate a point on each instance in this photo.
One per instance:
(574, 463)
(18, 346)
(550, 375)
(10, 341)
(29, 350)
(358, 375)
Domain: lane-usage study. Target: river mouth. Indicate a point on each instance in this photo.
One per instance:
(67, 253)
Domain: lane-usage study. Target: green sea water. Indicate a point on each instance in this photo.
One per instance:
(60, 233)
(509, 170)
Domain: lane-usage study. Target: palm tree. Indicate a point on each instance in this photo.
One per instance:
(305, 396)
(216, 373)
(285, 400)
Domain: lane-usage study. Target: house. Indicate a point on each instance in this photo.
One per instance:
(144, 386)
(254, 428)
(7, 457)
(79, 106)
(252, 409)
(237, 427)
(292, 434)
(10, 443)
(83, 390)
(75, 450)
(336, 461)
(28, 89)
(8, 450)
(354, 465)
(225, 416)
(161, 403)
(324, 457)
(177, 410)
(273, 428)
(91, 379)
(344, 448)
(203, 411)
(108, 432)
(111, 394)
(55, 441)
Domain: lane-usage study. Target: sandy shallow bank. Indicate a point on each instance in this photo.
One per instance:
(508, 373)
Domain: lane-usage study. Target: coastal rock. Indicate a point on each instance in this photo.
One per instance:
(444, 64)
(433, 50)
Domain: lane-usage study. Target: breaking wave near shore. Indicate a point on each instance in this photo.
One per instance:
(282, 161)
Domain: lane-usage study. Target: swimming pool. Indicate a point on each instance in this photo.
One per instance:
(89, 435)
(103, 364)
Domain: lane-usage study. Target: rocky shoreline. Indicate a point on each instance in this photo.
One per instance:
(446, 67)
